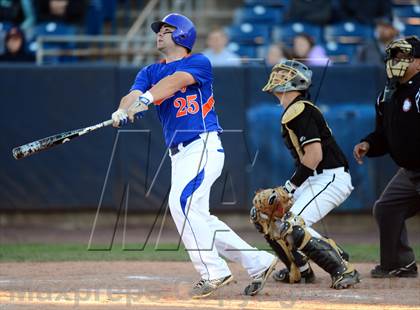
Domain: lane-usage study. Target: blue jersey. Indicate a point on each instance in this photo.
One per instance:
(190, 111)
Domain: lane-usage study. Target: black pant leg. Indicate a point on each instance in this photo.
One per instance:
(399, 201)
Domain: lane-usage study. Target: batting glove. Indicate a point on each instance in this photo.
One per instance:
(141, 104)
(119, 118)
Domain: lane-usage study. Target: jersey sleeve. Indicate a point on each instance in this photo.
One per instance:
(199, 67)
(142, 81)
(377, 141)
(305, 127)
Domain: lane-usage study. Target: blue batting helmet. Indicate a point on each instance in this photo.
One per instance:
(184, 33)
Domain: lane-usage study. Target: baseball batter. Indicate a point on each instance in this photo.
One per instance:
(320, 183)
(180, 87)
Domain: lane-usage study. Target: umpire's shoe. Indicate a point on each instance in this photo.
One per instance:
(205, 288)
(259, 280)
(307, 276)
(408, 271)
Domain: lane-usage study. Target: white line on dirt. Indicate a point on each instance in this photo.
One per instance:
(150, 278)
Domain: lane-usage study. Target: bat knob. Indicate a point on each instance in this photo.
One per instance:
(17, 154)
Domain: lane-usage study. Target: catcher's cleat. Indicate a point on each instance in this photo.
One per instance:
(408, 271)
(345, 280)
(259, 280)
(204, 288)
(307, 276)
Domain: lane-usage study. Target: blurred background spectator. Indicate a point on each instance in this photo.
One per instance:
(305, 50)
(67, 11)
(17, 12)
(373, 51)
(217, 51)
(341, 29)
(310, 11)
(276, 52)
(364, 11)
(15, 47)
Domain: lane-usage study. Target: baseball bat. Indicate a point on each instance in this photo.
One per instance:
(61, 138)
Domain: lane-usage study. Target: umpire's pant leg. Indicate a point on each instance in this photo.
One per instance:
(398, 202)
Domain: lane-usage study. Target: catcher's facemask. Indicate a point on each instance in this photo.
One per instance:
(288, 75)
(399, 55)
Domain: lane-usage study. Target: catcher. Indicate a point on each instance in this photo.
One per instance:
(320, 183)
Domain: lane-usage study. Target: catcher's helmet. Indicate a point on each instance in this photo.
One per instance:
(184, 33)
(288, 75)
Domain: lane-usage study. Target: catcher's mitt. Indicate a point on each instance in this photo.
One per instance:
(273, 202)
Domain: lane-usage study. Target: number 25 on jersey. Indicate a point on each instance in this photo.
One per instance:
(186, 106)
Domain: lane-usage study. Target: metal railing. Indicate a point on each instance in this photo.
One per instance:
(91, 47)
(136, 47)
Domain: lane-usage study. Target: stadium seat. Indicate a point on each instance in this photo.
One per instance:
(258, 14)
(4, 26)
(348, 33)
(408, 30)
(340, 53)
(409, 15)
(248, 51)
(287, 32)
(94, 18)
(110, 11)
(54, 29)
(269, 3)
(249, 34)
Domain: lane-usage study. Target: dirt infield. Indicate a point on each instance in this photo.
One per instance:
(163, 285)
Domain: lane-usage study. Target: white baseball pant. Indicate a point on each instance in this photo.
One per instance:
(194, 170)
(321, 193)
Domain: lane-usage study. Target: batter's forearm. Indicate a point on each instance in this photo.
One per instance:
(168, 86)
(128, 100)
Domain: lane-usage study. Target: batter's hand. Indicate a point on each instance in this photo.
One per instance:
(119, 118)
(136, 109)
(360, 150)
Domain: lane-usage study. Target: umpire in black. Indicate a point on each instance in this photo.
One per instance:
(397, 132)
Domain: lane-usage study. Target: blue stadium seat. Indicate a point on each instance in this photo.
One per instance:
(348, 33)
(110, 10)
(249, 34)
(340, 53)
(249, 51)
(287, 32)
(408, 30)
(54, 29)
(409, 14)
(94, 17)
(5, 26)
(270, 3)
(258, 14)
